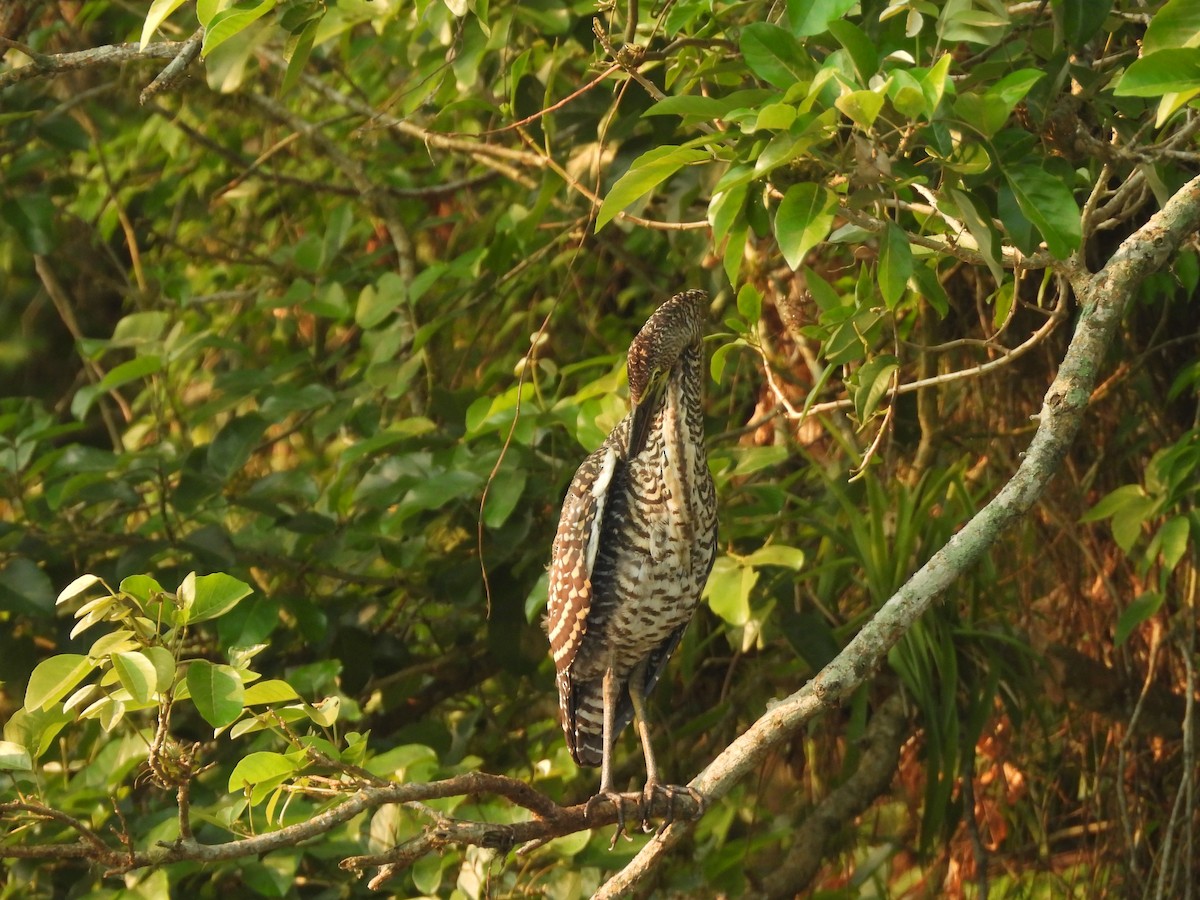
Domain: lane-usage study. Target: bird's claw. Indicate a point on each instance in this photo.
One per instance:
(618, 800)
(670, 792)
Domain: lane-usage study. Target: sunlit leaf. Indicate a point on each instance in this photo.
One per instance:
(646, 172)
(216, 691)
(137, 673)
(233, 20)
(216, 594)
(14, 758)
(259, 767)
(157, 14)
(53, 678)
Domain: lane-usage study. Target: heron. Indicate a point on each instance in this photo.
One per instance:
(635, 544)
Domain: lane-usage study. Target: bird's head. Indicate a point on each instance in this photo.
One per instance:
(654, 353)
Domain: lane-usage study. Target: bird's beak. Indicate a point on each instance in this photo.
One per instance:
(643, 413)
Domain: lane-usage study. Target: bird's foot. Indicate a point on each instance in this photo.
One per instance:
(618, 800)
(670, 792)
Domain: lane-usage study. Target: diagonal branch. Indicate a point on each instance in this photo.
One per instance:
(1102, 300)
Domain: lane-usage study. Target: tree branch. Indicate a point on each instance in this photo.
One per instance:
(1102, 298)
(83, 59)
(549, 821)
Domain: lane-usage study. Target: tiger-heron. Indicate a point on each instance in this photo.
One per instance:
(635, 543)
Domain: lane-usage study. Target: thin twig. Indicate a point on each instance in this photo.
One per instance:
(173, 73)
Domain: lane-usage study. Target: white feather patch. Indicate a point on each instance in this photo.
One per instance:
(600, 494)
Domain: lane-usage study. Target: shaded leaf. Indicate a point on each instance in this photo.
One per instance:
(809, 17)
(1135, 614)
(803, 220)
(773, 54)
(895, 264)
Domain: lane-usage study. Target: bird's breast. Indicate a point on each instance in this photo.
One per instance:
(652, 565)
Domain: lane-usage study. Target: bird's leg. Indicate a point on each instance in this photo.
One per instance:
(637, 695)
(611, 693)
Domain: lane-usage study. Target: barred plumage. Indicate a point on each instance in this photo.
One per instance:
(635, 542)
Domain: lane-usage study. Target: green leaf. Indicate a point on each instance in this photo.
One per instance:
(895, 264)
(1173, 540)
(232, 21)
(774, 55)
(25, 588)
(728, 590)
(725, 208)
(1081, 19)
(260, 767)
(1135, 614)
(118, 641)
(216, 594)
(1049, 205)
(36, 730)
(803, 220)
(907, 95)
(647, 172)
(860, 107)
(217, 692)
(326, 712)
(164, 666)
(1114, 502)
(872, 381)
(1127, 522)
(232, 446)
(287, 399)
(716, 362)
(860, 47)
(775, 117)
(735, 249)
(749, 303)
(810, 17)
(77, 587)
(142, 587)
(53, 678)
(1003, 303)
(776, 555)
(1012, 88)
(137, 368)
(700, 107)
(138, 675)
(503, 495)
(301, 50)
(978, 222)
(1164, 72)
(32, 217)
(272, 690)
(14, 758)
(1173, 25)
(159, 10)
(378, 301)
(930, 288)
(140, 328)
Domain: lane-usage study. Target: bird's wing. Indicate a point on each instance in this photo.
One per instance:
(574, 555)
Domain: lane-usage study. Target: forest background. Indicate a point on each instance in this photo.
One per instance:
(308, 311)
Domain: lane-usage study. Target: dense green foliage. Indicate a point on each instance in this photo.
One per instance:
(300, 354)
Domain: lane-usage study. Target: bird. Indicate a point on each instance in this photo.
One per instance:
(636, 541)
